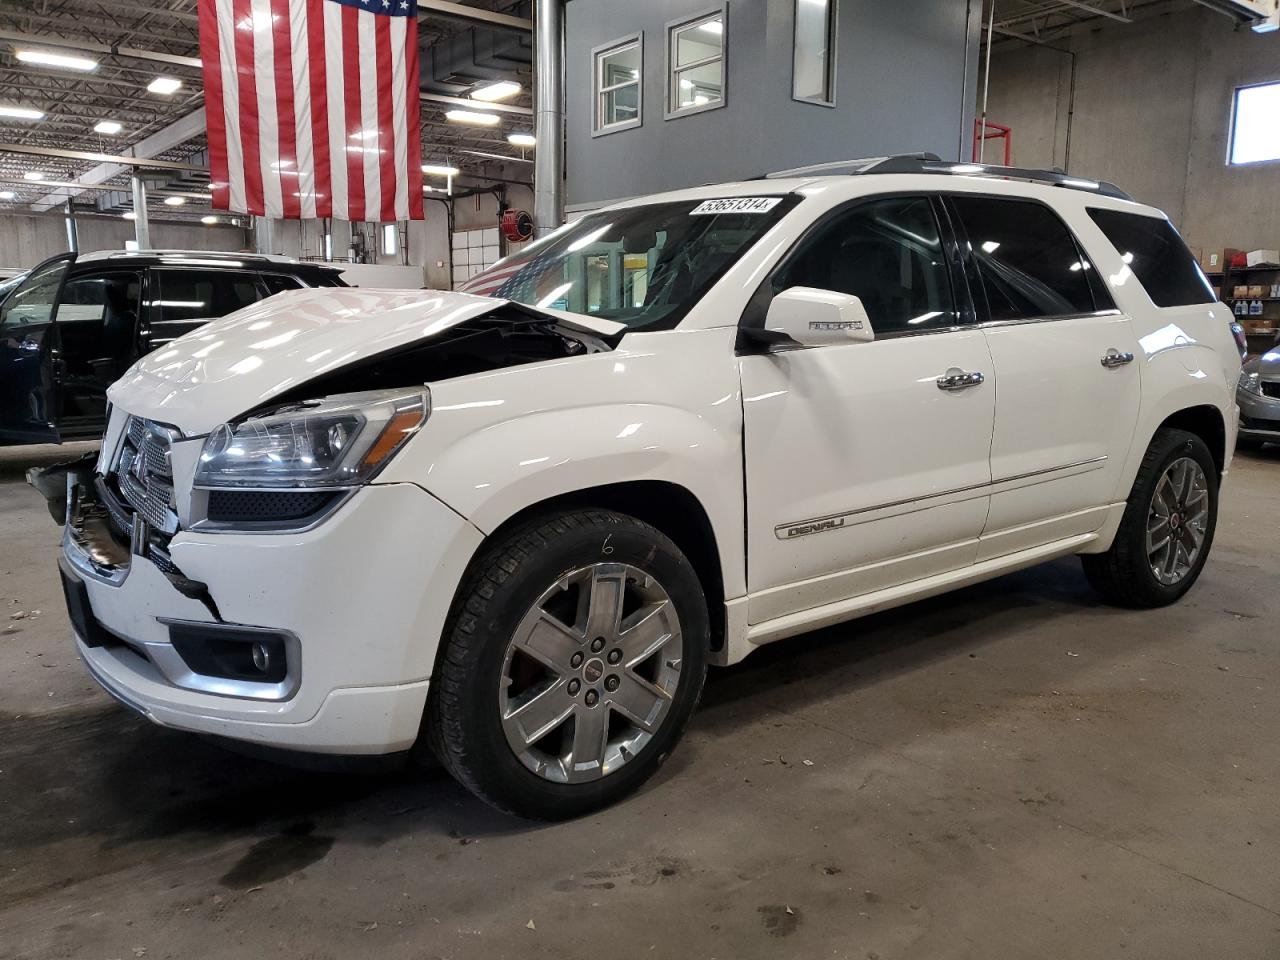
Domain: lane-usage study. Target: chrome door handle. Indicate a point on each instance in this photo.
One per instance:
(1114, 358)
(955, 379)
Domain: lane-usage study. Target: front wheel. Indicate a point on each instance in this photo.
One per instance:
(574, 657)
(1167, 529)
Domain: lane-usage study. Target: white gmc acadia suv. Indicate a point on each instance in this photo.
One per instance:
(514, 525)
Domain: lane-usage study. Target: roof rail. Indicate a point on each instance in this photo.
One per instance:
(930, 164)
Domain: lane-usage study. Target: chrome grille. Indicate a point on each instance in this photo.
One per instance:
(143, 474)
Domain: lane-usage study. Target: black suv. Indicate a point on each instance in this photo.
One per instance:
(76, 323)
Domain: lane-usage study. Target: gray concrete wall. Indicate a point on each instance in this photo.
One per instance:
(1153, 105)
(900, 87)
(26, 240)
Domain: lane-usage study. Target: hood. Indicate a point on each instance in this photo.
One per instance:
(234, 364)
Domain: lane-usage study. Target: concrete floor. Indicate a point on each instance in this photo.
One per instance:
(1011, 771)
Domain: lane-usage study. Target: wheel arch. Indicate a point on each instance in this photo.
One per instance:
(669, 507)
(1206, 422)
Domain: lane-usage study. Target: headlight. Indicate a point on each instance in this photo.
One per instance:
(335, 442)
(1249, 383)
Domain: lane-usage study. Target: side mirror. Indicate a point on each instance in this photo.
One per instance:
(809, 317)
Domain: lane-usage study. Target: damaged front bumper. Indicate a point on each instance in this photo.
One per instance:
(321, 640)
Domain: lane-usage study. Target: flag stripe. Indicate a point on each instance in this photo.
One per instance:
(413, 123)
(304, 156)
(317, 72)
(351, 105)
(388, 146)
(338, 155)
(264, 76)
(214, 118)
(242, 29)
(286, 122)
(368, 79)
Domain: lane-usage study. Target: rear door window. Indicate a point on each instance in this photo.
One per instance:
(1157, 256)
(279, 282)
(196, 296)
(1028, 261)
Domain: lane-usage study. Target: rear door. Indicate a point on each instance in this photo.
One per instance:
(95, 334)
(27, 396)
(1069, 389)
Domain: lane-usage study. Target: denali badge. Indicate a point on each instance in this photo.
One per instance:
(818, 526)
(821, 325)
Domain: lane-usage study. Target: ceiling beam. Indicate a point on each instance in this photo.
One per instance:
(1080, 5)
(479, 106)
(90, 46)
(473, 15)
(103, 157)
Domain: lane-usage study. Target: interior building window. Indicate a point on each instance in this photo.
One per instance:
(814, 63)
(1255, 136)
(618, 69)
(695, 52)
(390, 239)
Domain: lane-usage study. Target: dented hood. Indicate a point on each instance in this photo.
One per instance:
(228, 366)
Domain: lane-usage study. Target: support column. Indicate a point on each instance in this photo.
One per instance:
(264, 235)
(73, 235)
(141, 228)
(548, 108)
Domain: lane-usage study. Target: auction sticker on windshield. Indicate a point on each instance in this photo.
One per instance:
(736, 205)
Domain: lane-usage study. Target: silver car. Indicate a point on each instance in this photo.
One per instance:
(1259, 398)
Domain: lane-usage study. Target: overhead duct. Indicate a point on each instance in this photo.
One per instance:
(454, 64)
(1262, 15)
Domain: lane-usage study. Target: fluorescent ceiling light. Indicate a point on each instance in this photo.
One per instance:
(522, 139)
(437, 170)
(20, 113)
(209, 220)
(473, 117)
(129, 215)
(496, 91)
(108, 127)
(46, 59)
(34, 175)
(164, 85)
(174, 201)
(7, 194)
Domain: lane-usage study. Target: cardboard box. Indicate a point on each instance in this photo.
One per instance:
(1257, 258)
(1241, 292)
(1257, 291)
(1210, 261)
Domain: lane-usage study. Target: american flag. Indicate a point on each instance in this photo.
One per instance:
(521, 279)
(312, 107)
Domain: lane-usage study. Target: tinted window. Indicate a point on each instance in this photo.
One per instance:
(1158, 257)
(277, 282)
(887, 252)
(31, 305)
(1028, 260)
(194, 296)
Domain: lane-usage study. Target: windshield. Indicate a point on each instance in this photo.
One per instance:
(642, 266)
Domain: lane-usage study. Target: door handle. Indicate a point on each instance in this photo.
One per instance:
(956, 379)
(1114, 358)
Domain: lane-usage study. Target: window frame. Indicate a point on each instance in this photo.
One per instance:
(833, 46)
(974, 275)
(1234, 126)
(671, 73)
(598, 90)
(757, 309)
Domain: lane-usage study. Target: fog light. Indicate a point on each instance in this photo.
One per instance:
(262, 657)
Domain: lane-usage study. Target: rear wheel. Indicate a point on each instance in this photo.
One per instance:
(1167, 529)
(575, 655)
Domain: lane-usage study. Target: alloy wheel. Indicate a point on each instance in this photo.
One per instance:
(1177, 521)
(590, 673)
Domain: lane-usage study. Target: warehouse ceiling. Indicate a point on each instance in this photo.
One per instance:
(1045, 21)
(133, 43)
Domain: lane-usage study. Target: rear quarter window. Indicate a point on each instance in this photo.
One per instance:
(1157, 256)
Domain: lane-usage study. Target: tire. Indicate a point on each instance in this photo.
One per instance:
(526, 640)
(1129, 574)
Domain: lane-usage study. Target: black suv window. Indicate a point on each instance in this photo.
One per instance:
(194, 296)
(888, 253)
(279, 282)
(1028, 260)
(98, 317)
(1158, 257)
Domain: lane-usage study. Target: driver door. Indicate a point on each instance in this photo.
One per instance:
(27, 399)
(862, 471)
